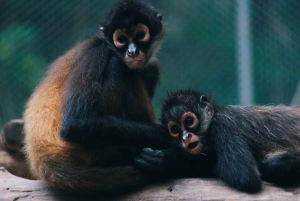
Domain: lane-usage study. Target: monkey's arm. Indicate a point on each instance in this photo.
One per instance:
(108, 129)
(87, 103)
(174, 162)
(151, 77)
(236, 164)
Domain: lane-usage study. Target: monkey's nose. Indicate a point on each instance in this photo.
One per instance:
(137, 51)
(186, 136)
(128, 53)
(133, 53)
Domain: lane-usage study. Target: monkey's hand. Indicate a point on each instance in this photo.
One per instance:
(153, 161)
(174, 162)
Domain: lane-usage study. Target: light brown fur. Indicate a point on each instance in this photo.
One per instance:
(43, 119)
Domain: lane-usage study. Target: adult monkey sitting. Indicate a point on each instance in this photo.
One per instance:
(87, 119)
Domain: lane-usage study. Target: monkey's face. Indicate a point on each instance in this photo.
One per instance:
(185, 131)
(135, 28)
(188, 115)
(133, 44)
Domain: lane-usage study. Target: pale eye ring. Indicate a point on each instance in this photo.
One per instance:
(141, 33)
(119, 38)
(174, 129)
(190, 120)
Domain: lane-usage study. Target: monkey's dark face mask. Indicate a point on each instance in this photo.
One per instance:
(185, 131)
(131, 44)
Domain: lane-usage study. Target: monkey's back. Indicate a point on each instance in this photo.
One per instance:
(43, 117)
(269, 128)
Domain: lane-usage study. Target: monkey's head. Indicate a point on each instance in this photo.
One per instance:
(135, 29)
(188, 114)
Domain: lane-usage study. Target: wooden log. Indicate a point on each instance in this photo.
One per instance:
(16, 188)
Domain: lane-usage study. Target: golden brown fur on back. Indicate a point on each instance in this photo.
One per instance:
(43, 119)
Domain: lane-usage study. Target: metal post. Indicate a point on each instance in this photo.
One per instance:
(244, 53)
(296, 98)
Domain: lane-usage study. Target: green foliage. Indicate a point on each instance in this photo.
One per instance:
(20, 66)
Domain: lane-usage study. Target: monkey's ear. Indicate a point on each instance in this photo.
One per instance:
(159, 16)
(206, 111)
(101, 28)
(203, 101)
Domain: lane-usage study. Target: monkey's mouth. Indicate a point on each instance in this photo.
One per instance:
(137, 62)
(193, 145)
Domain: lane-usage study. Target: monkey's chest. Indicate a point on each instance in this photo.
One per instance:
(136, 105)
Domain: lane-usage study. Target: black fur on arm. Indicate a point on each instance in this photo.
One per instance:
(109, 129)
(236, 165)
(151, 77)
(164, 161)
(91, 115)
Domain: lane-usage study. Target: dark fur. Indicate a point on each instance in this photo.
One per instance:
(91, 114)
(106, 102)
(248, 141)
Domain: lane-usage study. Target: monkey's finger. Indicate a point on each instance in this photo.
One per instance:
(152, 152)
(153, 159)
(146, 166)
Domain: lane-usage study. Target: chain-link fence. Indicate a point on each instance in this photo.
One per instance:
(200, 50)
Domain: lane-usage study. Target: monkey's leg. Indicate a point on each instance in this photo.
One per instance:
(281, 168)
(64, 171)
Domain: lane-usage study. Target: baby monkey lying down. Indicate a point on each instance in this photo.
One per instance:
(246, 142)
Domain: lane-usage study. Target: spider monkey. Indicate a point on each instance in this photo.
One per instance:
(245, 142)
(92, 112)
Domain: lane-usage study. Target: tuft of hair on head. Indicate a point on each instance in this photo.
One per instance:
(132, 8)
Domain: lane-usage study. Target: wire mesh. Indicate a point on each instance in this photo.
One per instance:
(200, 50)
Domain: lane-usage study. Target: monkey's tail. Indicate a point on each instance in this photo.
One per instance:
(86, 179)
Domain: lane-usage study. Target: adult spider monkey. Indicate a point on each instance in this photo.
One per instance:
(92, 112)
(245, 142)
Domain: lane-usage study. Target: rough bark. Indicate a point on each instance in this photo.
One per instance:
(16, 188)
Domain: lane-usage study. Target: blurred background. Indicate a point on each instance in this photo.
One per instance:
(241, 51)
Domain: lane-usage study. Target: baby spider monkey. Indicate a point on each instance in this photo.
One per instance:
(246, 142)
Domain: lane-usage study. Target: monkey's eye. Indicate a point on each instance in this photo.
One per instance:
(189, 121)
(140, 35)
(175, 129)
(122, 39)
(119, 38)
